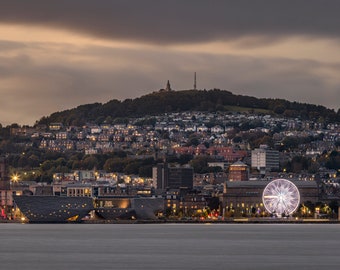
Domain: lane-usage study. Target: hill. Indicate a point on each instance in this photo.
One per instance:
(187, 100)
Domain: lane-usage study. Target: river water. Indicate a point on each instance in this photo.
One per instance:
(169, 246)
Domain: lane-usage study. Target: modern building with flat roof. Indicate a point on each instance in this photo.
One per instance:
(167, 177)
(264, 159)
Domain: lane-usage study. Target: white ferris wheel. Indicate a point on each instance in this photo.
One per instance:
(280, 197)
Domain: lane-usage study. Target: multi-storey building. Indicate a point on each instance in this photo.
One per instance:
(5, 192)
(172, 177)
(264, 159)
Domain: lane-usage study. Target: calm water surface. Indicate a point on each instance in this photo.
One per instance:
(169, 246)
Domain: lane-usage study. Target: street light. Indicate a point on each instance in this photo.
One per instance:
(15, 178)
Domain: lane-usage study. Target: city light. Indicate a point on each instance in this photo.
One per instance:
(15, 178)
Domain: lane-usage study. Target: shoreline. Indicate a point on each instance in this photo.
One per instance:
(229, 221)
(170, 221)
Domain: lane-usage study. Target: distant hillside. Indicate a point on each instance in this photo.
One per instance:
(188, 100)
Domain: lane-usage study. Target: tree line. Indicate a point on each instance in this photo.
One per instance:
(187, 100)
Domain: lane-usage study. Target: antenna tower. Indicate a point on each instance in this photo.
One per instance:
(195, 81)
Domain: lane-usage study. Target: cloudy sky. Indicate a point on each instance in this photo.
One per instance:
(56, 55)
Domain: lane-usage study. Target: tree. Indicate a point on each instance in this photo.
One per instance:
(184, 159)
(46, 165)
(279, 109)
(33, 161)
(289, 143)
(145, 171)
(193, 140)
(334, 206)
(22, 162)
(298, 164)
(114, 165)
(333, 161)
(237, 139)
(200, 164)
(60, 162)
(132, 167)
(90, 162)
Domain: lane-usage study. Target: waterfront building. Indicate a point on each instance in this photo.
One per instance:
(53, 208)
(5, 194)
(180, 202)
(245, 197)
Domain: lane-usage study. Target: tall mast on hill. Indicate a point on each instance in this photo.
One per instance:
(195, 81)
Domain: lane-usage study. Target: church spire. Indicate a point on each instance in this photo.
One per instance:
(168, 87)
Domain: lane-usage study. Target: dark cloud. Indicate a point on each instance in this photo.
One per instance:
(50, 75)
(177, 21)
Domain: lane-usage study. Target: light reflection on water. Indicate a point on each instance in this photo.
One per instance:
(169, 246)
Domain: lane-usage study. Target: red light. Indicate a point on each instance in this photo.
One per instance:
(3, 214)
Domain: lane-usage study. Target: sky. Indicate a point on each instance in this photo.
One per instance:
(57, 55)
